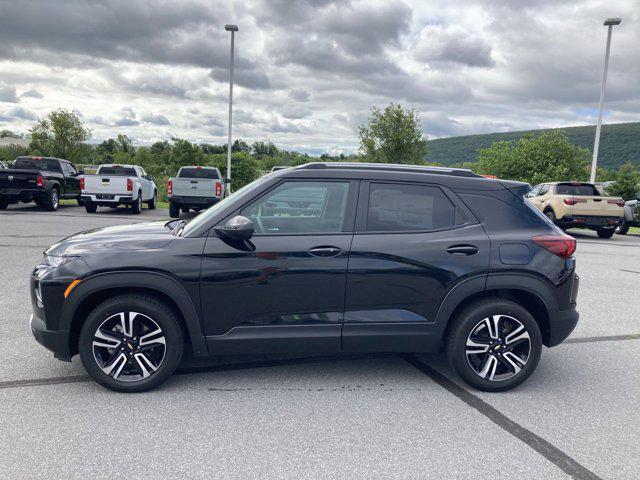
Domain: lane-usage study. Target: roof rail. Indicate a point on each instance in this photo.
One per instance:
(390, 167)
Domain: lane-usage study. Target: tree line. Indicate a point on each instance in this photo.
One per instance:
(391, 135)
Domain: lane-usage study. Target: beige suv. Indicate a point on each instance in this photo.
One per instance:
(578, 205)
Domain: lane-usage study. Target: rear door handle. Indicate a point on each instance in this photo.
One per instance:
(462, 250)
(325, 251)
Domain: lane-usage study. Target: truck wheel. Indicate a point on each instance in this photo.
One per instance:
(90, 207)
(174, 210)
(622, 228)
(131, 343)
(4, 203)
(136, 206)
(152, 203)
(605, 232)
(80, 202)
(551, 216)
(494, 344)
(52, 201)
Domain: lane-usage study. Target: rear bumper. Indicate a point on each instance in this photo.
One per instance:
(105, 199)
(193, 202)
(14, 195)
(588, 221)
(563, 322)
(55, 340)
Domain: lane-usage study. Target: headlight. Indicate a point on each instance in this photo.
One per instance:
(56, 261)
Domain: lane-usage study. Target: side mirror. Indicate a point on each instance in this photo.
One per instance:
(152, 178)
(237, 228)
(80, 172)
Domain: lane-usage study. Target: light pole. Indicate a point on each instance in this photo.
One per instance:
(609, 22)
(233, 29)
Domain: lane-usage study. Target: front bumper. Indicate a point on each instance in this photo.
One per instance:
(55, 340)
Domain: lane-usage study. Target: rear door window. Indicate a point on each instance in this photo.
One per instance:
(580, 189)
(403, 207)
(204, 173)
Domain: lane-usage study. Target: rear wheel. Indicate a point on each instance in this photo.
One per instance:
(551, 216)
(185, 210)
(174, 210)
(152, 203)
(136, 206)
(90, 207)
(494, 344)
(52, 201)
(131, 343)
(605, 232)
(622, 228)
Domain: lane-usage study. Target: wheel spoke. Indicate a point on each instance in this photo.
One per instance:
(475, 346)
(519, 335)
(144, 364)
(115, 367)
(152, 338)
(513, 362)
(489, 369)
(106, 339)
(493, 326)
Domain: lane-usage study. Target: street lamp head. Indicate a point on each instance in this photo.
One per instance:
(231, 28)
(612, 21)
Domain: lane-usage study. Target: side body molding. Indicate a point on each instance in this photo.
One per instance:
(154, 281)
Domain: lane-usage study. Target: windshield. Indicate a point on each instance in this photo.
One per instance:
(194, 172)
(211, 212)
(580, 189)
(28, 163)
(117, 170)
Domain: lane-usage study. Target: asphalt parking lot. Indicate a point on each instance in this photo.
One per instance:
(385, 416)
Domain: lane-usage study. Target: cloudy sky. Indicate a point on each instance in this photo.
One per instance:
(308, 71)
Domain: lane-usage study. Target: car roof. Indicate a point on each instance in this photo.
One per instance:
(461, 172)
(123, 165)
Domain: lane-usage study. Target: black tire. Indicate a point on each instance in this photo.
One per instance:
(52, 201)
(622, 228)
(130, 377)
(152, 203)
(80, 202)
(469, 320)
(174, 210)
(605, 232)
(551, 216)
(185, 210)
(4, 203)
(136, 205)
(90, 207)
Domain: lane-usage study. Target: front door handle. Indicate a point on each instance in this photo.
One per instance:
(462, 250)
(325, 251)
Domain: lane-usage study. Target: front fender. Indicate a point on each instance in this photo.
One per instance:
(152, 281)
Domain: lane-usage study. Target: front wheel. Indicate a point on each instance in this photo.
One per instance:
(152, 203)
(494, 344)
(605, 232)
(131, 343)
(622, 228)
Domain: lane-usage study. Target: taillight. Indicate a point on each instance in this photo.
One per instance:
(129, 185)
(82, 183)
(620, 203)
(573, 201)
(560, 245)
(40, 181)
(218, 189)
(170, 186)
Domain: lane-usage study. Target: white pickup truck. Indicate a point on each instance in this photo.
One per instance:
(113, 185)
(194, 188)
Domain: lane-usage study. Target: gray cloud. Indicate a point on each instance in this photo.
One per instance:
(18, 113)
(8, 94)
(299, 94)
(33, 93)
(452, 45)
(155, 119)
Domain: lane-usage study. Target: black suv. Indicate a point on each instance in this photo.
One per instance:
(323, 259)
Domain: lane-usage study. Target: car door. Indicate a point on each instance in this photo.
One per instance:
(282, 291)
(72, 181)
(412, 244)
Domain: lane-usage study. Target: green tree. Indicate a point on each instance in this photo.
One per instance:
(547, 158)
(8, 133)
(393, 136)
(60, 134)
(627, 184)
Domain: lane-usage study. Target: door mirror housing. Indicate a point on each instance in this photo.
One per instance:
(237, 228)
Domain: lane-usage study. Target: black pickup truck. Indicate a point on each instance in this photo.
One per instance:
(44, 180)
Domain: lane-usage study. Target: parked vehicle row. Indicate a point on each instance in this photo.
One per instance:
(318, 259)
(631, 216)
(578, 205)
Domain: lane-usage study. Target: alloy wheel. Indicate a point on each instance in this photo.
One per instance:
(498, 347)
(129, 346)
(54, 199)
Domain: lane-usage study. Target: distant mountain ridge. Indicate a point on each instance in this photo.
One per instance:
(619, 144)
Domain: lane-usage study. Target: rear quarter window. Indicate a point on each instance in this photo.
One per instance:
(204, 173)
